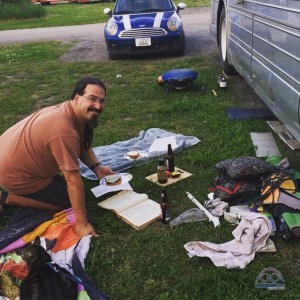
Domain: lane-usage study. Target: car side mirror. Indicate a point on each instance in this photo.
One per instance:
(107, 11)
(180, 6)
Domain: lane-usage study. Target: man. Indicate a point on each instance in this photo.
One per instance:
(50, 141)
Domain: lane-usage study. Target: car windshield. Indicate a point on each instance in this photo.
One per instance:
(139, 6)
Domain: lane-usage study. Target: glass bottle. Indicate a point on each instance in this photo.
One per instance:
(170, 159)
(222, 83)
(165, 207)
(161, 171)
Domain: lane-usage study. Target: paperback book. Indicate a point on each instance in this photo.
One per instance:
(133, 208)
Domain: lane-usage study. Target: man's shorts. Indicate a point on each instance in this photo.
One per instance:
(55, 193)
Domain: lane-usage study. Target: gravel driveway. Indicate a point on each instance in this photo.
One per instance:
(89, 39)
(196, 25)
(89, 44)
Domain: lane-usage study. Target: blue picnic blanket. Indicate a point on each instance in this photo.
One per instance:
(113, 155)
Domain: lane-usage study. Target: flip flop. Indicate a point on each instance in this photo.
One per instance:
(3, 205)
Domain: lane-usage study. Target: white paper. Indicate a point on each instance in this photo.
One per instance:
(265, 144)
(161, 144)
(103, 189)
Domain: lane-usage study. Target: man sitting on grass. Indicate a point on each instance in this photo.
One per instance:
(37, 149)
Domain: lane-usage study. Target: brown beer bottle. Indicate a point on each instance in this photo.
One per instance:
(165, 207)
(170, 159)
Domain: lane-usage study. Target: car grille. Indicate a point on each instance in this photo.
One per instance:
(142, 32)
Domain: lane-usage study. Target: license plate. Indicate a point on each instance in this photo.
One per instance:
(142, 42)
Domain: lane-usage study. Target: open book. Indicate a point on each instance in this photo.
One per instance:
(135, 209)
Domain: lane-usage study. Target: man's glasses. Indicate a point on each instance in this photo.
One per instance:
(95, 99)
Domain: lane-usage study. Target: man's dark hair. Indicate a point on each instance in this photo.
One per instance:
(81, 85)
(79, 89)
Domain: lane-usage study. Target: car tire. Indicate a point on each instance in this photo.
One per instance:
(228, 69)
(111, 56)
(182, 47)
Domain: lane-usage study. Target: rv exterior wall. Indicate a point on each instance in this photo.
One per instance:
(262, 44)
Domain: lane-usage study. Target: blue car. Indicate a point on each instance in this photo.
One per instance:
(144, 27)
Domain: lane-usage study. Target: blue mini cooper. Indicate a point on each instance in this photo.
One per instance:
(144, 26)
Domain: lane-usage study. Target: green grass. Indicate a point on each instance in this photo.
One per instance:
(23, 10)
(73, 14)
(152, 263)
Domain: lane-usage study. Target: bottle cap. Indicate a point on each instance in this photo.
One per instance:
(161, 161)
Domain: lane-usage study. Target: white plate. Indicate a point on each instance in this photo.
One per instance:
(141, 154)
(125, 178)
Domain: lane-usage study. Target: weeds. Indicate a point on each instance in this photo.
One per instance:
(24, 9)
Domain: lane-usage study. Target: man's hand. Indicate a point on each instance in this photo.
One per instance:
(85, 229)
(103, 171)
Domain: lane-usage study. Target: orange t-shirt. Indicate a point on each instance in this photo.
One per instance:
(37, 148)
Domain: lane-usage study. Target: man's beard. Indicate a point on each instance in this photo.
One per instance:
(94, 121)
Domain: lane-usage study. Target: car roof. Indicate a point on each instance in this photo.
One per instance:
(142, 6)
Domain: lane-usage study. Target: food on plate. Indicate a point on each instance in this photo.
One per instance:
(114, 179)
(133, 154)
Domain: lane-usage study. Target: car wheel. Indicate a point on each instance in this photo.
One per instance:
(182, 47)
(111, 56)
(180, 50)
(228, 69)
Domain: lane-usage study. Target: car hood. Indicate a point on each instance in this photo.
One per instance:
(145, 20)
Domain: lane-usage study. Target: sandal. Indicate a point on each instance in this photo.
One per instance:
(3, 205)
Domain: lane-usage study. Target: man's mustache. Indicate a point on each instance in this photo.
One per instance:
(96, 110)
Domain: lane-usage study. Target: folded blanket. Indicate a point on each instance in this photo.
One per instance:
(113, 155)
(251, 235)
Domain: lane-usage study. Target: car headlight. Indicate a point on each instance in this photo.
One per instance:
(173, 24)
(112, 28)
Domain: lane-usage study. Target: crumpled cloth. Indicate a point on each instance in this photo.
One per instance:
(191, 215)
(250, 236)
(216, 206)
(113, 155)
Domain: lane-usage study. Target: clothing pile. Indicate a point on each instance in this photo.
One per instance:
(265, 187)
(261, 198)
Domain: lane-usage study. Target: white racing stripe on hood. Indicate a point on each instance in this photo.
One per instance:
(126, 21)
(157, 20)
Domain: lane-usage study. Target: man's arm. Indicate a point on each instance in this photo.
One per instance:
(89, 158)
(77, 198)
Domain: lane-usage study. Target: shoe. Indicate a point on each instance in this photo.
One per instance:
(3, 205)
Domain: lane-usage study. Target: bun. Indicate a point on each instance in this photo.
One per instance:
(113, 179)
(133, 154)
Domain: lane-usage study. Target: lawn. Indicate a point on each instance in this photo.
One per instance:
(152, 263)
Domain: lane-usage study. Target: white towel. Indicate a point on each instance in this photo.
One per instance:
(250, 236)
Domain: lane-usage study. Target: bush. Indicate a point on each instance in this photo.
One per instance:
(24, 9)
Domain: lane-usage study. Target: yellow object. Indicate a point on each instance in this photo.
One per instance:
(175, 174)
(160, 80)
(287, 184)
(9, 289)
(272, 198)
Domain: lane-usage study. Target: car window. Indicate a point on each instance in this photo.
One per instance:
(138, 6)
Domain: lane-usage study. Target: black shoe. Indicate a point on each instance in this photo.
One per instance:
(3, 205)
